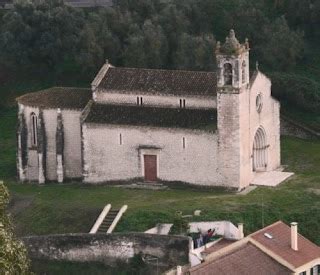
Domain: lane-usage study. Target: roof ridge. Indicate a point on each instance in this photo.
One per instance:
(163, 70)
(267, 227)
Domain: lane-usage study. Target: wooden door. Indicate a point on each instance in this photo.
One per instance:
(150, 168)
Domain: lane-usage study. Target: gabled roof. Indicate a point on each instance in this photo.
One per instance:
(246, 259)
(58, 97)
(280, 244)
(131, 115)
(153, 81)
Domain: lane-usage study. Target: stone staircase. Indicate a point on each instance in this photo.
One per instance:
(108, 219)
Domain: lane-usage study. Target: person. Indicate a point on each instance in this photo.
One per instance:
(209, 235)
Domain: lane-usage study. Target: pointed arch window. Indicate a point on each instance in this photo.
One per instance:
(227, 74)
(243, 69)
(34, 129)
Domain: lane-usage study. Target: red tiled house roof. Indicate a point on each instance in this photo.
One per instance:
(247, 259)
(280, 244)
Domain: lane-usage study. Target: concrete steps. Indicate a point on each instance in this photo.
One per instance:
(108, 219)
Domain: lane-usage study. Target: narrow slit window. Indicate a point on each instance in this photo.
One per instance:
(184, 143)
(120, 139)
(34, 129)
(138, 101)
(141, 101)
(182, 103)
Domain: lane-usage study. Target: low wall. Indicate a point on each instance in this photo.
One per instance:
(108, 248)
(295, 129)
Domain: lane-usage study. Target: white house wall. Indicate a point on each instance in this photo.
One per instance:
(200, 102)
(106, 160)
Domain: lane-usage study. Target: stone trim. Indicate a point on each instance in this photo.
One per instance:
(41, 148)
(149, 151)
(22, 145)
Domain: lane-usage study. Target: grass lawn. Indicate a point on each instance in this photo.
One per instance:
(73, 207)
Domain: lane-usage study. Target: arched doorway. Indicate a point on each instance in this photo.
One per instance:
(260, 151)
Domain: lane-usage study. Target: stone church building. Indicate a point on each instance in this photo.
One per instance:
(204, 128)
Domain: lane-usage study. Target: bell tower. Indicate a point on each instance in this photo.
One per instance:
(233, 111)
(233, 63)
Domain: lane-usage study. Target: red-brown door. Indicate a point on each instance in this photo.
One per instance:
(150, 168)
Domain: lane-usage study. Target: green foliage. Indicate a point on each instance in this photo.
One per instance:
(281, 47)
(195, 52)
(298, 91)
(180, 225)
(42, 34)
(13, 255)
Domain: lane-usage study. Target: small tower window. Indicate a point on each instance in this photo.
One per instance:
(34, 129)
(244, 76)
(227, 74)
(120, 139)
(182, 103)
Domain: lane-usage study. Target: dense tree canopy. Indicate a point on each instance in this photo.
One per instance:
(48, 36)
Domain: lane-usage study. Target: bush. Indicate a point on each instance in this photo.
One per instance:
(299, 91)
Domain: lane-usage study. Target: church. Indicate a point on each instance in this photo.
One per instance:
(217, 128)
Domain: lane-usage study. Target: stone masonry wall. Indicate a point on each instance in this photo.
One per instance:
(108, 248)
(72, 143)
(200, 102)
(106, 158)
(229, 139)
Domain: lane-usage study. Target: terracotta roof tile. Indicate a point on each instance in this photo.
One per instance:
(280, 244)
(152, 116)
(58, 97)
(246, 259)
(173, 82)
(219, 245)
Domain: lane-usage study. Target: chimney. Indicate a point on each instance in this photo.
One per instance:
(240, 228)
(294, 236)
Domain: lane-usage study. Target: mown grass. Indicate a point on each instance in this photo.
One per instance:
(73, 207)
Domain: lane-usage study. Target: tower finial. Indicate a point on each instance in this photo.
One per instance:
(232, 34)
(257, 65)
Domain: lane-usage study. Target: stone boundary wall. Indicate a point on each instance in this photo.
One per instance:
(109, 248)
(295, 129)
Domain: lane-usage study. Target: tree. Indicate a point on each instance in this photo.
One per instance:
(281, 47)
(147, 47)
(13, 255)
(195, 52)
(41, 33)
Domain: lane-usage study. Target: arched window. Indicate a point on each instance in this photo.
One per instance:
(244, 76)
(34, 128)
(227, 74)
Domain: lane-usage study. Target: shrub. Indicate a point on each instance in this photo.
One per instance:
(299, 91)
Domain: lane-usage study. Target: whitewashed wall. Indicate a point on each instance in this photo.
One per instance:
(195, 102)
(32, 172)
(72, 143)
(105, 159)
(269, 118)
(50, 124)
